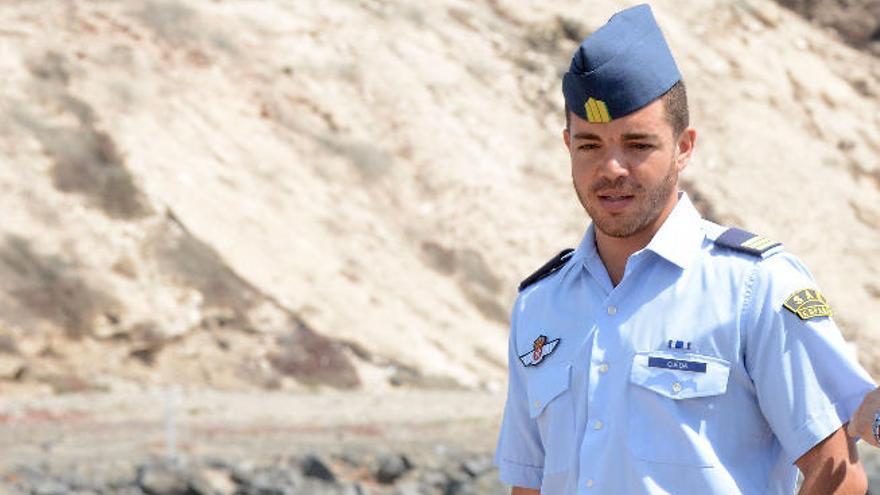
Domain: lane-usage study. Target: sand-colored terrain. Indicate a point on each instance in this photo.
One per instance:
(333, 201)
(268, 195)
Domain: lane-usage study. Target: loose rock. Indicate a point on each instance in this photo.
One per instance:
(314, 467)
(391, 468)
(476, 467)
(162, 480)
(51, 487)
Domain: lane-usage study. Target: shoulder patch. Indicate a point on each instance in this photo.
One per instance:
(746, 242)
(807, 303)
(549, 268)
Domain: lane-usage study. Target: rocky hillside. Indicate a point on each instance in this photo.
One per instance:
(856, 21)
(291, 195)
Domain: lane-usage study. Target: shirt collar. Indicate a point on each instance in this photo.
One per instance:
(678, 240)
(681, 235)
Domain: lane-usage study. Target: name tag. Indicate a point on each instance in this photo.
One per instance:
(676, 364)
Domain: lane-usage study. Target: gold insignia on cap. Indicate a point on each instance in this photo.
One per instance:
(808, 303)
(597, 111)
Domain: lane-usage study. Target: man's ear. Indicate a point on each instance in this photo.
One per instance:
(685, 148)
(566, 138)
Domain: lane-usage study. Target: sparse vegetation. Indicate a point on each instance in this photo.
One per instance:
(86, 158)
(51, 288)
(368, 160)
(475, 277)
(170, 20)
(312, 359)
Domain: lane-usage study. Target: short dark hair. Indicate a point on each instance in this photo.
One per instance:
(675, 103)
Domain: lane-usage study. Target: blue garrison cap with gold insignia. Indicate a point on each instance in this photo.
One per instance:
(623, 66)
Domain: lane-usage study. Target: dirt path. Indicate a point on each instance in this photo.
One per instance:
(77, 428)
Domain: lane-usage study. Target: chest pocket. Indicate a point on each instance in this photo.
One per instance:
(551, 405)
(673, 403)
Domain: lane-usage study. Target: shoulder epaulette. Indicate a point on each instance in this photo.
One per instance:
(746, 242)
(550, 267)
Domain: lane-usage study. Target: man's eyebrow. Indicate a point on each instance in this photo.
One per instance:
(630, 136)
(640, 136)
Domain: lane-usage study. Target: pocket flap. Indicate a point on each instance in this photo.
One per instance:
(680, 375)
(546, 384)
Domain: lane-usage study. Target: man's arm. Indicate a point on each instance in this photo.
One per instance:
(832, 467)
(861, 423)
(517, 490)
(520, 452)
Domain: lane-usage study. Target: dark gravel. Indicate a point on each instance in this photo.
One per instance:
(444, 472)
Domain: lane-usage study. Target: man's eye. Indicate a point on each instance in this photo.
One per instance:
(642, 146)
(588, 146)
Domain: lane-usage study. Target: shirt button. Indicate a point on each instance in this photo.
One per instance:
(612, 310)
(598, 424)
(676, 387)
(589, 483)
(537, 403)
(603, 368)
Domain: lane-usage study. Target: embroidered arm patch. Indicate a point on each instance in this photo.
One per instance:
(808, 303)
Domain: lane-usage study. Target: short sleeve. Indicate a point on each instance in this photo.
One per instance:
(520, 453)
(807, 383)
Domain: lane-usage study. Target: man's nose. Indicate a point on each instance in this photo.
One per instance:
(613, 166)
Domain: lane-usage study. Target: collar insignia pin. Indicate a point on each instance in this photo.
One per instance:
(679, 345)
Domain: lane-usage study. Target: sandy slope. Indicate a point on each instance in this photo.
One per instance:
(237, 193)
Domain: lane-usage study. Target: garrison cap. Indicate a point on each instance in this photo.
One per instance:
(622, 67)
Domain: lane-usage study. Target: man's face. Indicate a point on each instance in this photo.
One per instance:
(625, 172)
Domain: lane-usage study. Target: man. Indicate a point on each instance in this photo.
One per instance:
(667, 354)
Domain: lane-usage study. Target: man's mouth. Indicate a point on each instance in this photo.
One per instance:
(615, 202)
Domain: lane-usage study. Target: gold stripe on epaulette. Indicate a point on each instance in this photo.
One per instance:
(758, 243)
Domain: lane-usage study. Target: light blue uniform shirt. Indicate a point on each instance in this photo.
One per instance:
(616, 408)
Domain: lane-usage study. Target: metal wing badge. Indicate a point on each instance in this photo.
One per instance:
(541, 348)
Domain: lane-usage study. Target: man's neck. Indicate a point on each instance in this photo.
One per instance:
(615, 251)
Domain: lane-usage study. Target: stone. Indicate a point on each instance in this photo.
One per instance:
(12, 367)
(356, 489)
(212, 481)
(25, 477)
(315, 467)
(320, 487)
(117, 475)
(476, 467)
(161, 479)
(50, 487)
(269, 481)
(412, 488)
(9, 490)
(392, 467)
(126, 490)
(436, 479)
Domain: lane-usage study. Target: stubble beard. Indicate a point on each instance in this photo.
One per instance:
(627, 225)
